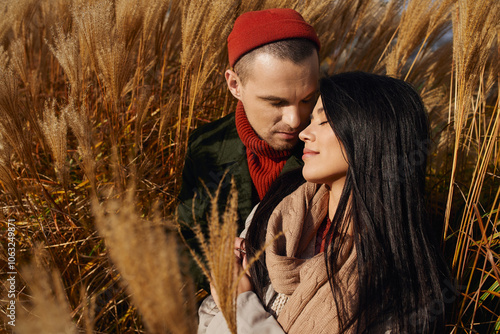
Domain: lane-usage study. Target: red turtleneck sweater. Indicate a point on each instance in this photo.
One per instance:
(264, 162)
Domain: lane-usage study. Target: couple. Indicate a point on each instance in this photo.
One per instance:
(356, 254)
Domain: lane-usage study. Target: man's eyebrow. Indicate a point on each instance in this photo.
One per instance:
(277, 98)
(271, 98)
(313, 94)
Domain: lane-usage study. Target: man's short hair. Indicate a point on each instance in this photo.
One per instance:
(295, 49)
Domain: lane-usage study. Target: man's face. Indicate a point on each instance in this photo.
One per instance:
(278, 97)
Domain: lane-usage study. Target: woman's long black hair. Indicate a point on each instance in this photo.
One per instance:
(382, 125)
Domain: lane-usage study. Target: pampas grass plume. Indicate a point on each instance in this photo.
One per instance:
(148, 260)
(49, 312)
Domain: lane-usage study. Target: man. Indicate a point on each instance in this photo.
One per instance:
(274, 74)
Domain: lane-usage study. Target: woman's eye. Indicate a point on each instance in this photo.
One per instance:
(323, 122)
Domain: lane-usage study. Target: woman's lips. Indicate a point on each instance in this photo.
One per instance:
(308, 153)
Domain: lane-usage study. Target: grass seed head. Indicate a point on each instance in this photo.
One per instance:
(49, 311)
(148, 261)
(55, 130)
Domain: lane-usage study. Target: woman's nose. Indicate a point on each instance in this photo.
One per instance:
(305, 134)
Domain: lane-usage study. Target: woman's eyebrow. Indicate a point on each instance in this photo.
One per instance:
(320, 110)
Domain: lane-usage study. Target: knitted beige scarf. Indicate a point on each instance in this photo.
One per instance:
(295, 271)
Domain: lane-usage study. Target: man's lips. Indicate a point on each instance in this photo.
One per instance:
(288, 135)
(308, 153)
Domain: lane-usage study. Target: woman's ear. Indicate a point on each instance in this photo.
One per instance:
(233, 83)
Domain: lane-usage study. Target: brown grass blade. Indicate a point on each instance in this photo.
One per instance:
(473, 37)
(148, 260)
(49, 311)
(55, 130)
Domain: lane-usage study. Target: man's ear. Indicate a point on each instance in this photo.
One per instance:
(233, 83)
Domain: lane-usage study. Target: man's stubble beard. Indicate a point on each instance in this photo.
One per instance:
(283, 145)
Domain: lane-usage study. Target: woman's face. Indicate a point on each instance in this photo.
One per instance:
(324, 161)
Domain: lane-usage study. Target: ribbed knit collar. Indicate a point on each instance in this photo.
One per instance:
(264, 163)
(252, 141)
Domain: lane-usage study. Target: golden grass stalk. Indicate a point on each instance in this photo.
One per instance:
(93, 21)
(131, 16)
(475, 133)
(473, 34)
(422, 22)
(67, 52)
(21, 14)
(159, 25)
(12, 116)
(78, 119)
(4, 58)
(431, 74)
(56, 13)
(19, 61)
(88, 314)
(205, 26)
(129, 19)
(103, 46)
(6, 177)
(55, 130)
(5, 23)
(470, 243)
(49, 311)
(192, 20)
(218, 252)
(336, 24)
(167, 112)
(142, 106)
(353, 34)
(148, 261)
(115, 65)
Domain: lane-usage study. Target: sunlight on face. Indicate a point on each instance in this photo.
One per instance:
(324, 161)
(278, 97)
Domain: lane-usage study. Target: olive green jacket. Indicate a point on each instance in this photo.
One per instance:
(216, 154)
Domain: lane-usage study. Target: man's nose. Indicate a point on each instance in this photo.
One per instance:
(291, 116)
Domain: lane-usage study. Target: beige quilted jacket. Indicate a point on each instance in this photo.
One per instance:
(296, 274)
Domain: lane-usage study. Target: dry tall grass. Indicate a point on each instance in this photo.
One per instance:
(95, 93)
(218, 250)
(149, 262)
(48, 300)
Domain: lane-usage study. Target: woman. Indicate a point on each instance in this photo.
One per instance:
(356, 255)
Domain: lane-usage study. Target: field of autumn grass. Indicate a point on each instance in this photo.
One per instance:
(98, 98)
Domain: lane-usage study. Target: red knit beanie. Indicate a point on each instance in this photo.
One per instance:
(254, 29)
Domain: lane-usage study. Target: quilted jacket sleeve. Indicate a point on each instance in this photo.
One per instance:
(251, 317)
